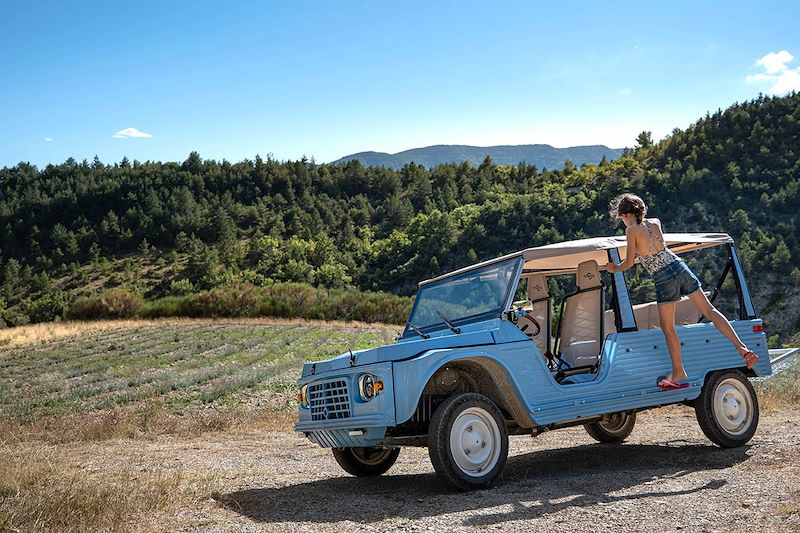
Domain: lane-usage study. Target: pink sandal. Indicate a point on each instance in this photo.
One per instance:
(750, 358)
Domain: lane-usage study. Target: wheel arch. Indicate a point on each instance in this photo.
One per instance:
(484, 375)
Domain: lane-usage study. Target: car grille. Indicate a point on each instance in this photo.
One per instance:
(329, 400)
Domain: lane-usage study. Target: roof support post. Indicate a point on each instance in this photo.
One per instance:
(746, 309)
(623, 309)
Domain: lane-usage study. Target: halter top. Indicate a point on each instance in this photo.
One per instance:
(655, 261)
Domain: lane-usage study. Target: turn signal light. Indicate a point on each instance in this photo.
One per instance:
(369, 387)
(758, 328)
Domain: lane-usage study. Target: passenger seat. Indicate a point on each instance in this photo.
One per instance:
(580, 332)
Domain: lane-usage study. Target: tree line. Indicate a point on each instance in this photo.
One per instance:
(263, 221)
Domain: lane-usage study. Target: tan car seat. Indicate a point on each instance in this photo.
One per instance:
(646, 315)
(540, 312)
(580, 334)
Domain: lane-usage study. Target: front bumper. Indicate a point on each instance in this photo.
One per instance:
(339, 423)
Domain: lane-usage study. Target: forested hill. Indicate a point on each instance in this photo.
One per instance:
(541, 155)
(162, 228)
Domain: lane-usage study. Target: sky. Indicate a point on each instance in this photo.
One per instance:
(324, 79)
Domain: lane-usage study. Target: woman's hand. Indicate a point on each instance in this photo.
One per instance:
(611, 267)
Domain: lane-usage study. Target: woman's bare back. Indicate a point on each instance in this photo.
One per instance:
(647, 243)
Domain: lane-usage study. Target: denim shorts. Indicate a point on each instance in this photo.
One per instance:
(673, 281)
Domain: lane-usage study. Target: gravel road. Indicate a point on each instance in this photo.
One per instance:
(666, 477)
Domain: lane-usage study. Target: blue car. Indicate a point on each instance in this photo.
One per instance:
(487, 353)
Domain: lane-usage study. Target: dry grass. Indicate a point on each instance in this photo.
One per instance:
(41, 491)
(129, 423)
(47, 331)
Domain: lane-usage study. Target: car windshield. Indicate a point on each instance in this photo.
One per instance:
(473, 295)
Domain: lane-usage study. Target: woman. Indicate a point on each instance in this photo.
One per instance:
(673, 279)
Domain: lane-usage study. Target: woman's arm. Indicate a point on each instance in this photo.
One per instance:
(630, 254)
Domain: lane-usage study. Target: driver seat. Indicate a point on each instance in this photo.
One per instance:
(540, 312)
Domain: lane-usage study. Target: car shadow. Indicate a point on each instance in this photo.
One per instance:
(534, 484)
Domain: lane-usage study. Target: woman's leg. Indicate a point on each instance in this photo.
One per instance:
(700, 300)
(666, 314)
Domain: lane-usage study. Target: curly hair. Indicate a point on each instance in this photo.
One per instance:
(627, 203)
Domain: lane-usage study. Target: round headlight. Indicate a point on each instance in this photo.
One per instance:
(366, 386)
(303, 396)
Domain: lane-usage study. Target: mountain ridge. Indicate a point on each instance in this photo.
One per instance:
(541, 155)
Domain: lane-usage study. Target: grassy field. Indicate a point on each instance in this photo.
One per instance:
(71, 383)
(65, 384)
(181, 367)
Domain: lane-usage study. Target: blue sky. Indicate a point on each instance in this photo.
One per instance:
(326, 79)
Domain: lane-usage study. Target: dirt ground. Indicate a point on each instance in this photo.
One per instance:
(666, 477)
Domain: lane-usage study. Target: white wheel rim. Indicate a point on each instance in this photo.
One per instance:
(475, 441)
(371, 457)
(614, 427)
(733, 406)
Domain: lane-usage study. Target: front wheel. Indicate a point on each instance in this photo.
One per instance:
(468, 441)
(366, 462)
(614, 430)
(727, 409)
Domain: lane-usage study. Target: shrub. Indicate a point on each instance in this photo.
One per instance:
(45, 308)
(180, 287)
(284, 300)
(116, 303)
(239, 300)
(288, 300)
(163, 307)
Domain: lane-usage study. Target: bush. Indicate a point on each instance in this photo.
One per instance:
(181, 287)
(45, 308)
(115, 303)
(240, 300)
(284, 300)
(163, 307)
(295, 300)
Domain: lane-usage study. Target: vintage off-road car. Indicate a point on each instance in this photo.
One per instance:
(473, 366)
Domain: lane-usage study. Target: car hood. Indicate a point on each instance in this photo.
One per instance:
(490, 332)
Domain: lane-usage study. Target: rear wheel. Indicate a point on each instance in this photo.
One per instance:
(614, 430)
(727, 409)
(365, 462)
(468, 441)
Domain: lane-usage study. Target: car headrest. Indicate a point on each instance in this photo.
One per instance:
(588, 275)
(537, 287)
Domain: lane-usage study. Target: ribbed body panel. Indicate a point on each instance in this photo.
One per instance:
(633, 362)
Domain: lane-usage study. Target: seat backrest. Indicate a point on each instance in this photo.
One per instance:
(581, 335)
(647, 317)
(540, 296)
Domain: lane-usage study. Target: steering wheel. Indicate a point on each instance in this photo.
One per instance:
(524, 327)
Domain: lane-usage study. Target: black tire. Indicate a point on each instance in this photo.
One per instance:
(366, 462)
(472, 426)
(727, 409)
(616, 430)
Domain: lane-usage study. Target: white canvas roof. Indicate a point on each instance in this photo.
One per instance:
(564, 257)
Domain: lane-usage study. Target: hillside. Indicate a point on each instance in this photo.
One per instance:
(540, 155)
(172, 229)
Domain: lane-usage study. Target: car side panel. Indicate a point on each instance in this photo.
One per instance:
(627, 378)
(634, 360)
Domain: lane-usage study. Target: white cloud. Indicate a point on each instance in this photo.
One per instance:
(787, 82)
(48, 139)
(775, 62)
(779, 77)
(625, 92)
(131, 133)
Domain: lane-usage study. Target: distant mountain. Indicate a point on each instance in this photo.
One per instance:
(541, 155)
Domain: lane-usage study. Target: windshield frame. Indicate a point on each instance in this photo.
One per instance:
(506, 301)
